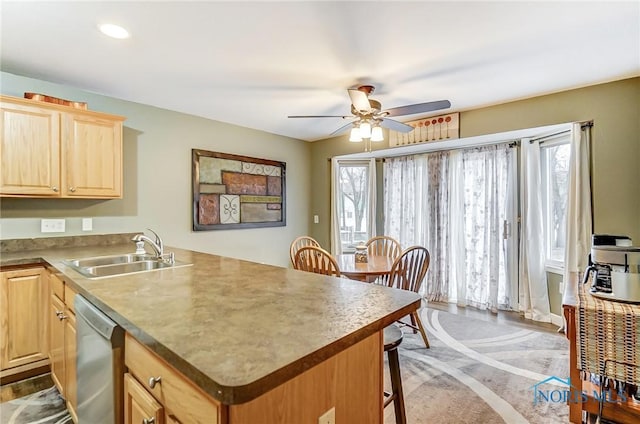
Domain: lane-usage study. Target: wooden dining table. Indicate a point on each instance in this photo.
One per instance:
(376, 266)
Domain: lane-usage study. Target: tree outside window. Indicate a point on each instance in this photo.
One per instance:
(354, 198)
(555, 174)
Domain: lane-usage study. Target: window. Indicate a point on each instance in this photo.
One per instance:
(554, 159)
(353, 204)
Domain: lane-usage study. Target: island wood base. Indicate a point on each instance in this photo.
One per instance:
(350, 381)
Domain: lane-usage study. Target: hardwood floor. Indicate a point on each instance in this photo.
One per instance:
(502, 317)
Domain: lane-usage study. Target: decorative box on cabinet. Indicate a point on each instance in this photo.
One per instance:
(49, 150)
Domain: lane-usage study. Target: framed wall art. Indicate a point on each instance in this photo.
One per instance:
(231, 191)
(435, 128)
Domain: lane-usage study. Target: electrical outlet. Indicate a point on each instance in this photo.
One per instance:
(52, 225)
(87, 224)
(316, 219)
(328, 417)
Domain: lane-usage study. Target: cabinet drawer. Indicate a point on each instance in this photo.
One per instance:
(57, 286)
(183, 402)
(69, 296)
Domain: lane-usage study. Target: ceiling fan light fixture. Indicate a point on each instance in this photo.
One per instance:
(365, 129)
(376, 133)
(114, 31)
(355, 136)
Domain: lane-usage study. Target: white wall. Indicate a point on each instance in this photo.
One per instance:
(157, 194)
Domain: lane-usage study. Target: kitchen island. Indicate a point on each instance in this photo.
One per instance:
(250, 335)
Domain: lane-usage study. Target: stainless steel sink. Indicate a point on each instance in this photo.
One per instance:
(108, 260)
(118, 265)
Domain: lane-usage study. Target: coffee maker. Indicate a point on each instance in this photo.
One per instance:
(614, 266)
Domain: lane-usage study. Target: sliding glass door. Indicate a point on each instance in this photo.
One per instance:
(462, 206)
(354, 201)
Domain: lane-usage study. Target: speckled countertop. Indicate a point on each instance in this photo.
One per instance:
(235, 328)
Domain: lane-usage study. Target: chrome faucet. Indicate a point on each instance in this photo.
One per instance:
(157, 245)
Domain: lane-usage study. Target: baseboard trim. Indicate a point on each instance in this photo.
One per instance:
(557, 320)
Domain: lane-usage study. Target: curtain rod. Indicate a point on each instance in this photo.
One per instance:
(583, 125)
(509, 143)
(549, 136)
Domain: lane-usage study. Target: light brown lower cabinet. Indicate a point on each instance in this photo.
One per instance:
(23, 320)
(56, 343)
(181, 401)
(351, 382)
(139, 406)
(62, 342)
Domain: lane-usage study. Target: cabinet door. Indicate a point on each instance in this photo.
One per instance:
(29, 150)
(56, 343)
(23, 300)
(70, 354)
(92, 156)
(139, 406)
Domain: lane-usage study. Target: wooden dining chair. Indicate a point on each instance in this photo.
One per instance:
(384, 246)
(407, 273)
(299, 242)
(316, 259)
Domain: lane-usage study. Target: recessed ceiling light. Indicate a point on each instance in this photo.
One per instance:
(114, 31)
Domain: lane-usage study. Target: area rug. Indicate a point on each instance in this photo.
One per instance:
(480, 372)
(43, 407)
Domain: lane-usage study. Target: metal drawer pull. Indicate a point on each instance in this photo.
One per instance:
(54, 188)
(72, 189)
(153, 381)
(151, 420)
(59, 313)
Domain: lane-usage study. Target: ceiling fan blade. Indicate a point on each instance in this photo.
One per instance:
(417, 108)
(395, 125)
(342, 128)
(320, 116)
(359, 100)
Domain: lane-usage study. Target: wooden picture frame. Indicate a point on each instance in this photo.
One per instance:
(434, 128)
(233, 191)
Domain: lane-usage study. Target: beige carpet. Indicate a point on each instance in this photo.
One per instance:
(479, 372)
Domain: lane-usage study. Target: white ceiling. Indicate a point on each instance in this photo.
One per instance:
(254, 63)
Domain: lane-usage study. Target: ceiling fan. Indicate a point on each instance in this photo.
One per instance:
(367, 114)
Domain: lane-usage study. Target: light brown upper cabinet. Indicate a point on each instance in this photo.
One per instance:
(49, 150)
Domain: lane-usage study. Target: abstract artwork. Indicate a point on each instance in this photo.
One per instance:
(231, 191)
(435, 128)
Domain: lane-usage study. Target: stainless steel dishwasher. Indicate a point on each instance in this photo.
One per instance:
(100, 365)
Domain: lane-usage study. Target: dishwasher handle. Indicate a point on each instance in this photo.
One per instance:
(98, 321)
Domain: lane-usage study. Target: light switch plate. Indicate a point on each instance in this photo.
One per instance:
(316, 219)
(87, 224)
(52, 226)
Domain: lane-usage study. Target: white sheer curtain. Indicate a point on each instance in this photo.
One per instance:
(578, 219)
(534, 297)
(454, 204)
(416, 212)
(484, 178)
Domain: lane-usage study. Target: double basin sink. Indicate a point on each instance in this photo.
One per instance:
(118, 265)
